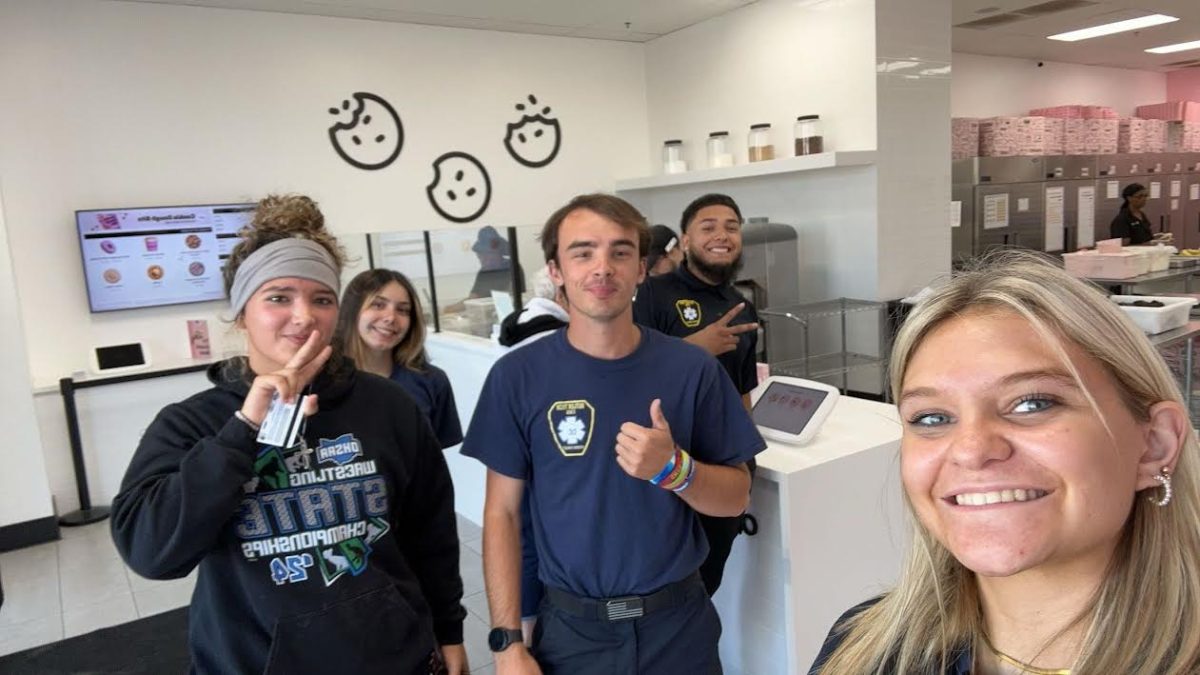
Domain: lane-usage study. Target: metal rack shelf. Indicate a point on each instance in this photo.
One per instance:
(793, 355)
(825, 309)
(825, 365)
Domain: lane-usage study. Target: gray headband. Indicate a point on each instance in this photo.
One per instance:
(283, 258)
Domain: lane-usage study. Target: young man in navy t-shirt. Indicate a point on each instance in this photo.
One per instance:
(621, 435)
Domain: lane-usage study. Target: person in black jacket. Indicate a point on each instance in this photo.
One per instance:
(1131, 225)
(698, 303)
(338, 553)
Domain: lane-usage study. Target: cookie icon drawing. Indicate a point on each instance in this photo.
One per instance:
(155, 272)
(368, 134)
(461, 189)
(111, 276)
(533, 140)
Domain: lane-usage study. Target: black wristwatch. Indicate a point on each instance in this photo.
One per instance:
(500, 639)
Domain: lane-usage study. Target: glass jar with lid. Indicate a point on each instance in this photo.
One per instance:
(719, 151)
(672, 156)
(759, 142)
(808, 135)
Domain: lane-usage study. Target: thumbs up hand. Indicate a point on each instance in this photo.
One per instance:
(643, 451)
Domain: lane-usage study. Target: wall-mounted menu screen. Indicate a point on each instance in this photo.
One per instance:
(168, 255)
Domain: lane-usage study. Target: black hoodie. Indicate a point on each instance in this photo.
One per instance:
(337, 555)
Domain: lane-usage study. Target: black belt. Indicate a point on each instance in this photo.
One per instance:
(630, 606)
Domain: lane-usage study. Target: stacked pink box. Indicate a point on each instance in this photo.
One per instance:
(1156, 136)
(1183, 137)
(1091, 136)
(1086, 112)
(1172, 111)
(1133, 135)
(1056, 136)
(1009, 136)
(964, 137)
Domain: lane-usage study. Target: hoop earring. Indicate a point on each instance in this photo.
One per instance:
(1164, 478)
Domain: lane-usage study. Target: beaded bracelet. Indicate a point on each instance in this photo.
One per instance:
(666, 469)
(246, 420)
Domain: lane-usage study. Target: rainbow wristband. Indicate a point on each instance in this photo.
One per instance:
(687, 482)
(677, 473)
(666, 469)
(683, 469)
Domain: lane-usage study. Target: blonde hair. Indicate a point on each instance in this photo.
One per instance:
(1145, 616)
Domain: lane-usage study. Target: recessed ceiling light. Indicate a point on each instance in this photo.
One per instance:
(1169, 49)
(1117, 27)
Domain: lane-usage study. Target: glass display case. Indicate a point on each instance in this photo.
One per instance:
(465, 276)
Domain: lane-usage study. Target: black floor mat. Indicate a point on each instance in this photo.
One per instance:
(154, 645)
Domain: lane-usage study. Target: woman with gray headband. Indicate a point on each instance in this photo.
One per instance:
(337, 552)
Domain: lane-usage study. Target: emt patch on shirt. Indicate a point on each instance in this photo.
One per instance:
(689, 312)
(571, 426)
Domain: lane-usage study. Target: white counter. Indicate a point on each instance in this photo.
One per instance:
(831, 534)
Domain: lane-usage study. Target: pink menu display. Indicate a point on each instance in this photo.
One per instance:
(198, 338)
(146, 257)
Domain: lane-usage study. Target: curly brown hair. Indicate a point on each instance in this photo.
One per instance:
(282, 217)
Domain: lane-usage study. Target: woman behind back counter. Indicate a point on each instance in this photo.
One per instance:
(1131, 225)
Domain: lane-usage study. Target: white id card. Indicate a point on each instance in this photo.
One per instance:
(282, 423)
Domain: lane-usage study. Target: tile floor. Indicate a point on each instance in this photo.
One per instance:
(79, 584)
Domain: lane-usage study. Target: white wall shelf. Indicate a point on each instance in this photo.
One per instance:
(824, 160)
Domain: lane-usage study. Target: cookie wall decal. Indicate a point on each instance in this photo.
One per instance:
(533, 140)
(461, 189)
(368, 133)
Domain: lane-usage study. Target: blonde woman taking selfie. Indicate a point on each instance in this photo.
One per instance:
(1050, 465)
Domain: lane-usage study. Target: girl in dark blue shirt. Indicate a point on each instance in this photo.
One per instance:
(382, 328)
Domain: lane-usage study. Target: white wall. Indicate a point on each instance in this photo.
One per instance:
(776, 59)
(986, 86)
(766, 62)
(770, 62)
(124, 104)
(24, 491)
(914, 142)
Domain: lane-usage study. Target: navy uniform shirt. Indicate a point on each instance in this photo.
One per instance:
(549, 414)
(431, 390)
(680, 304)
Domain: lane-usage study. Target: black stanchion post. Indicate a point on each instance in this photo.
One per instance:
(87, 513)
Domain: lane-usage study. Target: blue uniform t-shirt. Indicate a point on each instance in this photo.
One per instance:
(431, 390)
(549, 414)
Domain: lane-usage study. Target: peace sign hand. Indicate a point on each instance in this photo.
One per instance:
(289, 381)
(719, 337)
